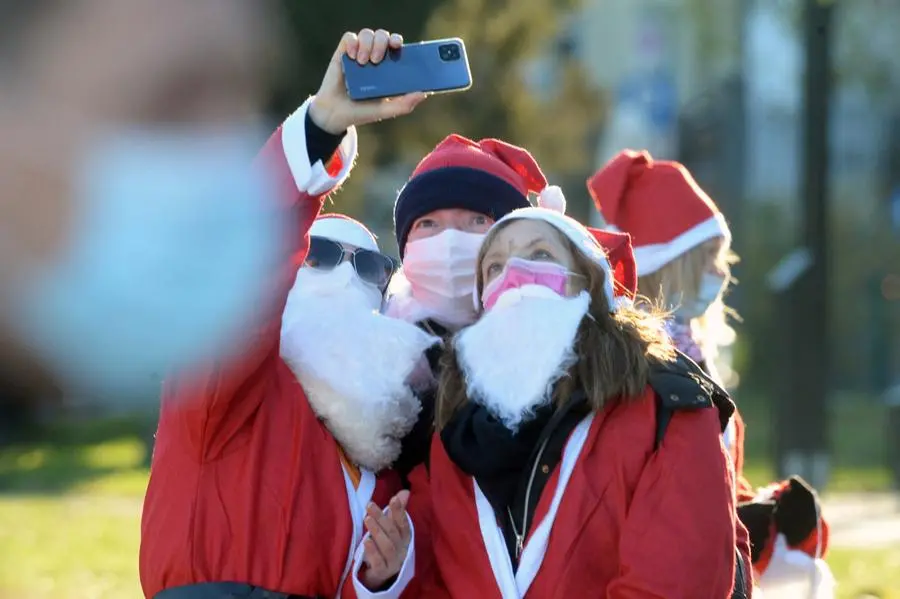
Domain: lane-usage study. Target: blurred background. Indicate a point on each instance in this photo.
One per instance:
(788, 114)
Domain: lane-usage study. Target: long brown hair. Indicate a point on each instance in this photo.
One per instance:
(615, 350)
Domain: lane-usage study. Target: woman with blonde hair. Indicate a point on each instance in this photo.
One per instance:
(683, 252)
(576, 455)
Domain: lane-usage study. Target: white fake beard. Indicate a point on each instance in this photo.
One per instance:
(514, 355)
(354, 365)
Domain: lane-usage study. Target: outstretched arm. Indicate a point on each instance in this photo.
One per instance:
(300, 159)
(303, 162)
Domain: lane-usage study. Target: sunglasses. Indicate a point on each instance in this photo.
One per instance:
(371, 267)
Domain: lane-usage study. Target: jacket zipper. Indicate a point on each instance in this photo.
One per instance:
(520, 533)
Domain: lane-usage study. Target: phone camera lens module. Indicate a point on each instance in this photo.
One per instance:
(449, 52)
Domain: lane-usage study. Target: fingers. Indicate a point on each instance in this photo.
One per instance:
(384, 532)
(349, 45)
(366, 42)
(401, 105)
(373, 557)
(402, 498)
(391, 541)
(389, 537)
(378, 110)
(397, 515)
(372, 46)
(380, 46)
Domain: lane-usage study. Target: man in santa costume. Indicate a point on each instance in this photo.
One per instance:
(265, 474)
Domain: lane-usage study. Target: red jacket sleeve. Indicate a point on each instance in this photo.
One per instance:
(214, 400)
(679, 538)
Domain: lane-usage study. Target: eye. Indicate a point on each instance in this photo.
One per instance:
(425, 223)
(542, 256)
(493, 269)
(480, 219)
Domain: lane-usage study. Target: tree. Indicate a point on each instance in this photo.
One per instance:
(501, 36)
(312, 32)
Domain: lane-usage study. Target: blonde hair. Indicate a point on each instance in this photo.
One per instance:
(615, 350)
(679, 281)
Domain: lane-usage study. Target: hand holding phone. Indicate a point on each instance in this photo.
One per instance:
(332, 109)
(434, 66)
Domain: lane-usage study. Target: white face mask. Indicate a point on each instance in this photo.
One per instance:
(711, 287)
(441, 273)
(174, 243)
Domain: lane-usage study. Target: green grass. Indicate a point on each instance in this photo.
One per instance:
(70, 547)
(873, 570)
(70, 512)
(70, 507)
(86, 548)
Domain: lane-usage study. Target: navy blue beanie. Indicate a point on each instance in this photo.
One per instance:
(453, 187)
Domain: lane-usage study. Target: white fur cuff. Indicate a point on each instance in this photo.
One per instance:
(313, 179)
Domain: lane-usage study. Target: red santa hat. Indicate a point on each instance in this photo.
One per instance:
(490, 177)
(659, 204)
(610, 250)
(345, 230)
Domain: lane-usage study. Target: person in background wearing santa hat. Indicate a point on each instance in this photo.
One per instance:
(265, 476)
(440, 217)
(547, 478)
(683, 252)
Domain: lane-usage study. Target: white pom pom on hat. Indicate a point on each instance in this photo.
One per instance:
(552, 198)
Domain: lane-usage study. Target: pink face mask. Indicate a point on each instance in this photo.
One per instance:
(519, 272)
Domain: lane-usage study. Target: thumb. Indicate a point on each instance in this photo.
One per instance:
(379, 110)
(334, 74)
(406, 104)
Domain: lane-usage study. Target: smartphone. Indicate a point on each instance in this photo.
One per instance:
(431, 66)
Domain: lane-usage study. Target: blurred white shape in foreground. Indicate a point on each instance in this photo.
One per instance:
(174, 247)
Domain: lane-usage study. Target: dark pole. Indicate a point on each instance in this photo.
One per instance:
(806, 434)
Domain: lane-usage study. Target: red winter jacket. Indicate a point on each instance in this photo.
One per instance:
(246, 483)
(630, 522)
